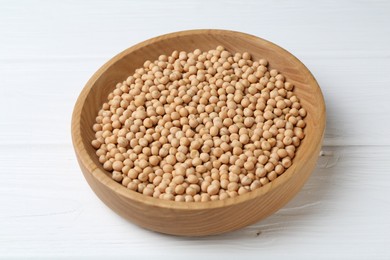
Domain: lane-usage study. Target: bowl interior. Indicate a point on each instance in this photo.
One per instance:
(123, 65)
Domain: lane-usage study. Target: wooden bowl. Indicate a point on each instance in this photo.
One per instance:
(197, 218)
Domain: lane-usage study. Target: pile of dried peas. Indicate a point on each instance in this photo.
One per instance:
(199, 126)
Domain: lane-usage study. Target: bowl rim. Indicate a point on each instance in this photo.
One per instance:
(101, 176)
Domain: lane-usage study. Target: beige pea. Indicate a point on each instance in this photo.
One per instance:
(204, 185)
(287, 140)
(178, 179)
(125, 181)
(261, 172)
(246, 181)
(252, 78)
(190, 191)
(168, 196)
(96, 144)
(282, 153)
(288, 86)
(189, 198)
(249, 121)
(143, 176)
(180, 171)
(224, 158)
(132, 186)
(255, 184)
(192, 179)
(179, 198)
(204, 197)
(180, 189)
(242, 190)
(212, 189)
(279, 169)
(268, 115)
(214, 131)
(143, 163)
(266, 146)
(269, 167)
(171, 159)
(232, 186)
(154, 160)
(196, 144)
(117, 166)
(117, 176)
(204, 157)
(272, 175)
(180, 157)
(148, 191)
(286, 162)
(139, 101)
(249, 166)
(246, 56)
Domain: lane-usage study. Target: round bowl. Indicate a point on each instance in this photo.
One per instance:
(198, 218)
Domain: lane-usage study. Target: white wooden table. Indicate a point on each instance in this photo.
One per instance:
(49, 49)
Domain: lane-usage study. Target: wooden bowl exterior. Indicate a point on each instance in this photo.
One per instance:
(198, 218)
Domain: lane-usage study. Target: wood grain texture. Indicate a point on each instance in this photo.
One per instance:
(339, 213)
(198, 218)
(49, 49)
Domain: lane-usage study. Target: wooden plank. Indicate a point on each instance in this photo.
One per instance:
(357, 105)
(56, 58)
(48, 209)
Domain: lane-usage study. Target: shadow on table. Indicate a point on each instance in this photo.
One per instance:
(306, 206)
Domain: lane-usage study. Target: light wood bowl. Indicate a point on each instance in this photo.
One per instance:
(198, 218)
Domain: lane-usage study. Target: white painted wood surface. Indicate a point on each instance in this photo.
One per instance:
(49, 49)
